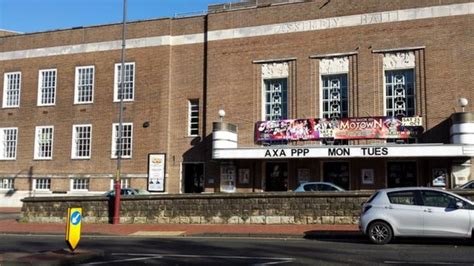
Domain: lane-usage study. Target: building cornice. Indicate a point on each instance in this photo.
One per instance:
(255, 31)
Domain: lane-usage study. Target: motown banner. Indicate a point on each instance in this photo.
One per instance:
(379, 127)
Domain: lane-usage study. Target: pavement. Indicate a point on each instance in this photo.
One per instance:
(9, 225)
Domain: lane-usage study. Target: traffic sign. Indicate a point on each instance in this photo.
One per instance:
(73, 227)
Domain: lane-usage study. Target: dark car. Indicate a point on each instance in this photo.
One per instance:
(127, 192)
(468, 185)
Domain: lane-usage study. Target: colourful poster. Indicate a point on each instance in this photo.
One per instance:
(381, 127)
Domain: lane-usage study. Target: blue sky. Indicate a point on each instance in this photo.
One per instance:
(42, 15)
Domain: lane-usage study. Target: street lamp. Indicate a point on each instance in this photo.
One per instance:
(221, 114)
(462, 102)
(117, 186)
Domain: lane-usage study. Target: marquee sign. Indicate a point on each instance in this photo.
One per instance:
(369, 151)
(379, 127)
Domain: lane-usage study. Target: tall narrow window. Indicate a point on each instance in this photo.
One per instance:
(276, 99)
(193, 117)
(8, 138)
(81, 141)
(11, 89)
(334, 96)
(127, 92)
(84, 89)
(125, 145)
(47, 87)
(44, 142)
(400, 92)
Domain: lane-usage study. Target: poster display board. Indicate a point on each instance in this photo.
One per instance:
(228, 176)
(367, 176)
(156, 172)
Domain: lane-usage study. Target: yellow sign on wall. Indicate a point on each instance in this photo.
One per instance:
(73, 227)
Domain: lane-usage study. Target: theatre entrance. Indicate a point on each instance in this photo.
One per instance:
(401, 174)
(193, 177)
(276, 177)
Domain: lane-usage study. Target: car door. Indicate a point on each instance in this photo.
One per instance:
(441, 217)
(405, 212)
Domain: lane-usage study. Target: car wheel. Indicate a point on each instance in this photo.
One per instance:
(380, 233)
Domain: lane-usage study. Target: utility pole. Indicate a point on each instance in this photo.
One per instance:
(117, 186)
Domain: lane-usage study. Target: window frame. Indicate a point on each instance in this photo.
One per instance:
(76, 85)
(47, 183)
(385, 107)
(114, 140)
(116, 84)
(190, 117)
(124, 183)
(74, 144)
(322, 100)
(285, 103)
(5, 89)
(73, 183)
(3, 141)
(40, 93)
(36, 148)
(10, 183)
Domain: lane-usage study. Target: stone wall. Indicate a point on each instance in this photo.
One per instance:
(219, 208)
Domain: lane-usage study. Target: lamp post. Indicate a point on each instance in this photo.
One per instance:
(463, 103)
(117, 186)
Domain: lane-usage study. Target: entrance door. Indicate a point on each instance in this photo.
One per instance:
(401, 174)
(337, 173)
(276, 177)
(193, 178)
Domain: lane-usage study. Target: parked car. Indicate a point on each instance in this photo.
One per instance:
(127, 191)
(317, 186)
(416, 212)
(468, 185)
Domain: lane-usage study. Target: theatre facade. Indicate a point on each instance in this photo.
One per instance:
(251, 97)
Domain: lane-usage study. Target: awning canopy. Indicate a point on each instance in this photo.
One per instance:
(365, 151)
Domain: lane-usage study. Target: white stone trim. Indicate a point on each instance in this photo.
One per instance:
(275, 70)
(399, 60)
(335, 65)
(264, 30)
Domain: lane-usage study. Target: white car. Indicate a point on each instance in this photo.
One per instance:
(416, 211)
(317, 186)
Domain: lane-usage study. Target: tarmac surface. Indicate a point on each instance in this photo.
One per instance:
(9, 224)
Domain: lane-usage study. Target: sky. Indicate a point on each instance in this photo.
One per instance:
(42, 15)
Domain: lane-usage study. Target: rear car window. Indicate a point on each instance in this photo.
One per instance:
(402, 197)
(372, 197)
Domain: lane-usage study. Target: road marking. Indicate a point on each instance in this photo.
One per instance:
(145, 256)
(421, 262)
(158, 233)
(123, 260)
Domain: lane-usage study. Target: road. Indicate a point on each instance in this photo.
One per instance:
(326, 250)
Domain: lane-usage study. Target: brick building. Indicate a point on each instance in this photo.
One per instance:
(257, 61)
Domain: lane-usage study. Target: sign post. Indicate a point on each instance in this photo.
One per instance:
(73, 227)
